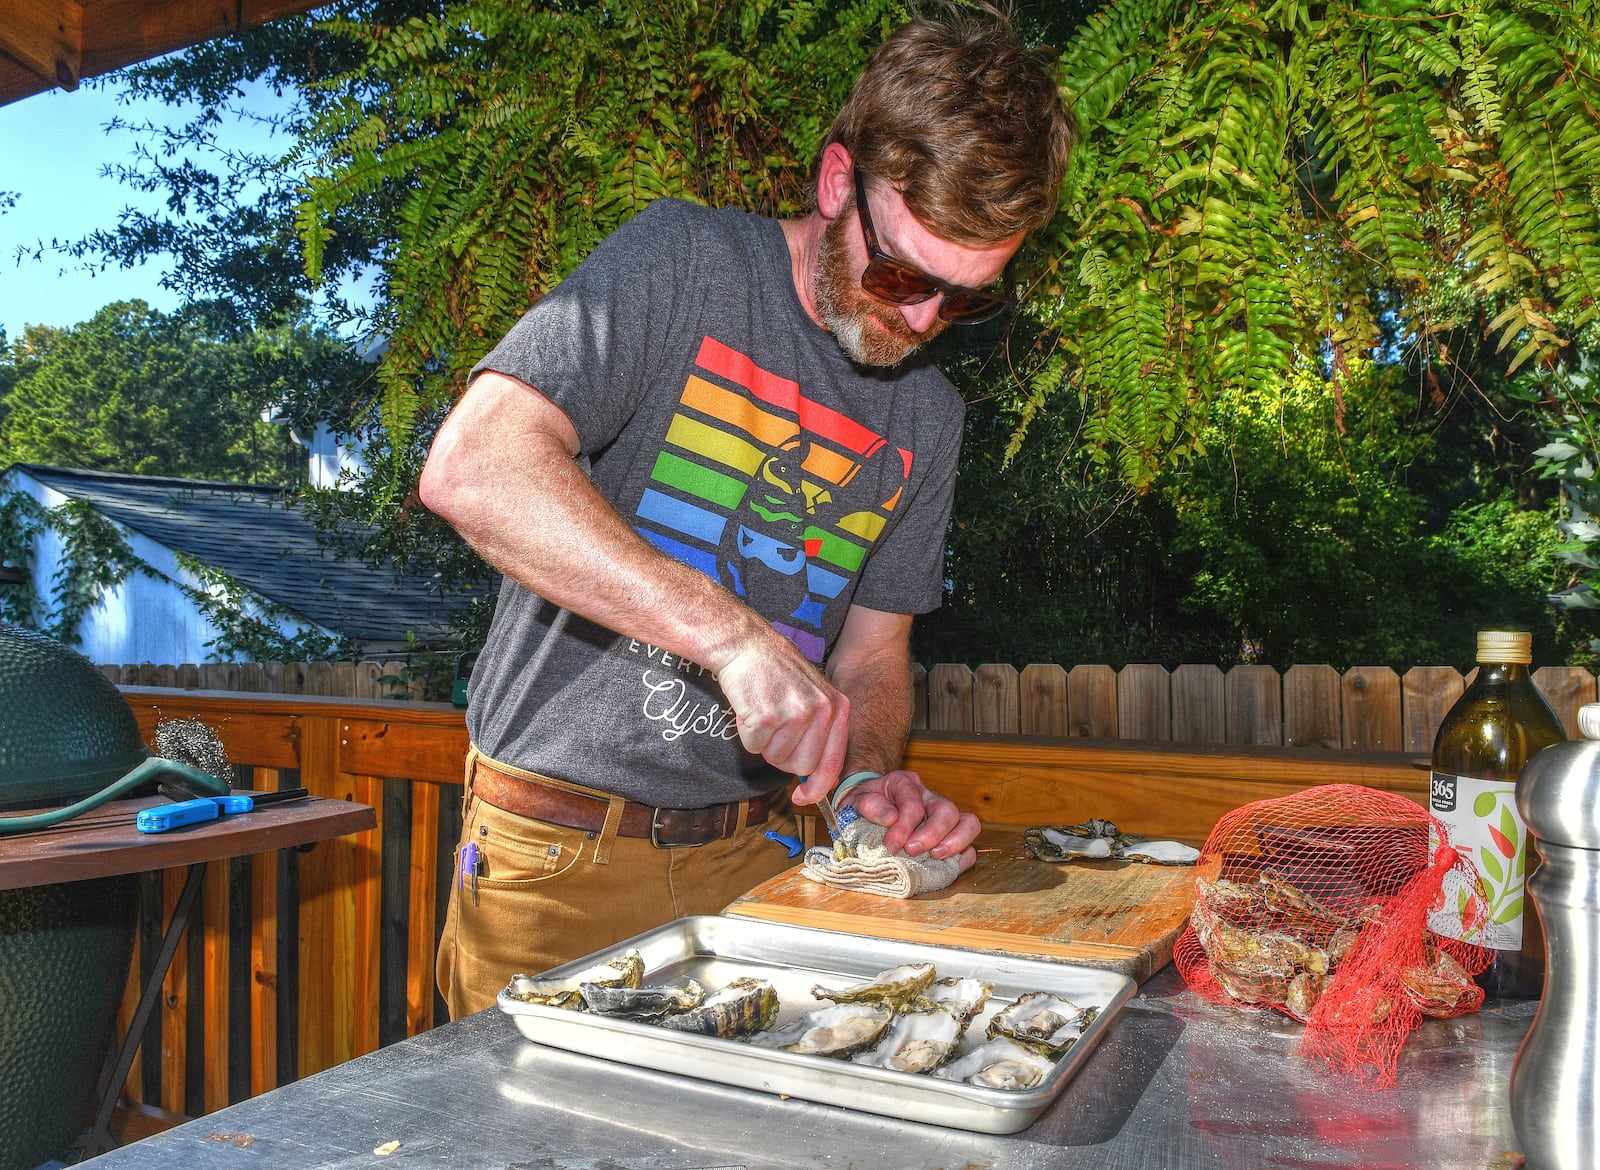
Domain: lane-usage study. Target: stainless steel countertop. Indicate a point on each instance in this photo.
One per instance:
(1178, 1082)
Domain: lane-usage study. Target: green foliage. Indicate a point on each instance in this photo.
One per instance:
(249, 627)
(510, 139)
(1321, 540)
(22, 519)
(1364, 531)
(1569, 398)
(1259, 184)
(95, 558)
(135, 390)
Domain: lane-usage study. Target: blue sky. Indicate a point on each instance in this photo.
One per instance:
(53, 148)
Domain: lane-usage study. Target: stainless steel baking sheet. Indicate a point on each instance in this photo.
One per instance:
(717, 950)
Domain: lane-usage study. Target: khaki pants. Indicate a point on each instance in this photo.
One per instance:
(542, 898)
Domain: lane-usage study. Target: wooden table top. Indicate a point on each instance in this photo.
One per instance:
(104, 841)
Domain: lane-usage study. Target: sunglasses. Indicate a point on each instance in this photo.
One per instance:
(899, 283)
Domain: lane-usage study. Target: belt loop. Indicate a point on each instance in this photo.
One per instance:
(608, 831)
(741, 820)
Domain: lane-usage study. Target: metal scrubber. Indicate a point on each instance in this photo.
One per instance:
(188, 741)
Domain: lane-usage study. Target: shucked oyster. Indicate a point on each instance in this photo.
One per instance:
(896, 987)
(641, 1002)
(1102, 840)
(624, 971)
(918, 1041)
(831, 1031)
(999, 1064)
(1042, 1021)
(963, 998)
(746, 1005)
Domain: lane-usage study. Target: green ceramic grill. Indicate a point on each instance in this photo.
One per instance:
(68, 743)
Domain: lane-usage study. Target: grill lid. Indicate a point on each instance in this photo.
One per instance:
(65, 730)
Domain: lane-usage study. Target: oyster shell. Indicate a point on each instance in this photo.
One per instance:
(918, 1041)
(999, 1064)
(746, 1005)
(641, 1002)
(896, 987)
(1102, 840)
(1161, 852)
(1041, 1020)
(625, 970)
(963, 998)
(839, 1030)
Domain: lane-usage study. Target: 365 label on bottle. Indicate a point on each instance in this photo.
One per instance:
(1484, 826)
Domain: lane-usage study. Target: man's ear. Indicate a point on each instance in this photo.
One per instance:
(835, 181)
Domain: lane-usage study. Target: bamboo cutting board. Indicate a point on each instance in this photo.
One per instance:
(1120, 915)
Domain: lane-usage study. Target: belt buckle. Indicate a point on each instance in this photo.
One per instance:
(655, 833)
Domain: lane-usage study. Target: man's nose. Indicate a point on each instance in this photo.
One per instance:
(922, 316)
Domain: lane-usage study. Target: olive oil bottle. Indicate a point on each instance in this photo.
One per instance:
(1500, 721)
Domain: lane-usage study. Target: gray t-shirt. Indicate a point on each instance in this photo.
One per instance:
(735, 436)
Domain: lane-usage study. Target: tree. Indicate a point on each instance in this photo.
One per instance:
(514, 138)
(139, 391)
(1261, 184)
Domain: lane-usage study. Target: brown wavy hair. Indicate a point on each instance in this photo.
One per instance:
(965, 121)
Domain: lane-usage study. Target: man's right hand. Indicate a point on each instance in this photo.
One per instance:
(787, 712)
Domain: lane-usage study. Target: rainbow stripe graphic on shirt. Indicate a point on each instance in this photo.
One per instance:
(755, 480)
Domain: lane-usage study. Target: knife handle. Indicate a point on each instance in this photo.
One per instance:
(172, 816)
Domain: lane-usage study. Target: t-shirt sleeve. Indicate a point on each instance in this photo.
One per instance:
(584, 345)
(906, 571)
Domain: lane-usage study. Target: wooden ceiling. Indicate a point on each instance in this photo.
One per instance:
(50, 43)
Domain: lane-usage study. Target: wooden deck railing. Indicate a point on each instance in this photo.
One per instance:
(303, 960)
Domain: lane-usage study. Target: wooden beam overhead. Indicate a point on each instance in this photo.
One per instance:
(50, 43)
(45, 37)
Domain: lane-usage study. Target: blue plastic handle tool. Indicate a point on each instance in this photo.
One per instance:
(792, 844)
(190, 812)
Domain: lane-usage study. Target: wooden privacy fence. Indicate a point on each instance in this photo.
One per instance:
(1365, 708)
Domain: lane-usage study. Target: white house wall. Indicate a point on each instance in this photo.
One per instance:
(144, 619)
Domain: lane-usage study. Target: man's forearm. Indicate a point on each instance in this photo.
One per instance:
(525, 505)
(879, 689)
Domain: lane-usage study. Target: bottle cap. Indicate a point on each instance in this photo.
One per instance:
(1558, 792)
(1505, 646)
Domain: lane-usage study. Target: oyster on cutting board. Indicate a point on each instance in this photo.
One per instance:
(1100, 840)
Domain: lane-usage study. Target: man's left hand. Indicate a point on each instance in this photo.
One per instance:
(919, 820)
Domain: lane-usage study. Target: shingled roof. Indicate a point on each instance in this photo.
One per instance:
(259, 536)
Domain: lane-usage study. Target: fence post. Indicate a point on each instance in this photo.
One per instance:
(1092, 701)
(995, 697)
(1372, 709)
(1199, 709)
(1254, 696)
(950, 697)
(1043, 702)
(1144, 702)
(1311, 707)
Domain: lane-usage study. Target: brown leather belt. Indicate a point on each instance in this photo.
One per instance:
(665, 828)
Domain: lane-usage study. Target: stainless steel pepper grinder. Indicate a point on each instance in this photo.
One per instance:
(1555, 1109)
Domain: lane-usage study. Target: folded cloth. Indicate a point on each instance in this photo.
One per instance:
(874, 870)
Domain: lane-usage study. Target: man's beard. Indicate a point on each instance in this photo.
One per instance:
(849, 310)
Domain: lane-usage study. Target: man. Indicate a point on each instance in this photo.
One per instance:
(716, 476)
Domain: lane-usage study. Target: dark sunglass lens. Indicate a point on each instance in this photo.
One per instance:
(969, 308)
(892, 282)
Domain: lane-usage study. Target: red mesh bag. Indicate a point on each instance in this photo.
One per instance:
(1317, 905)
